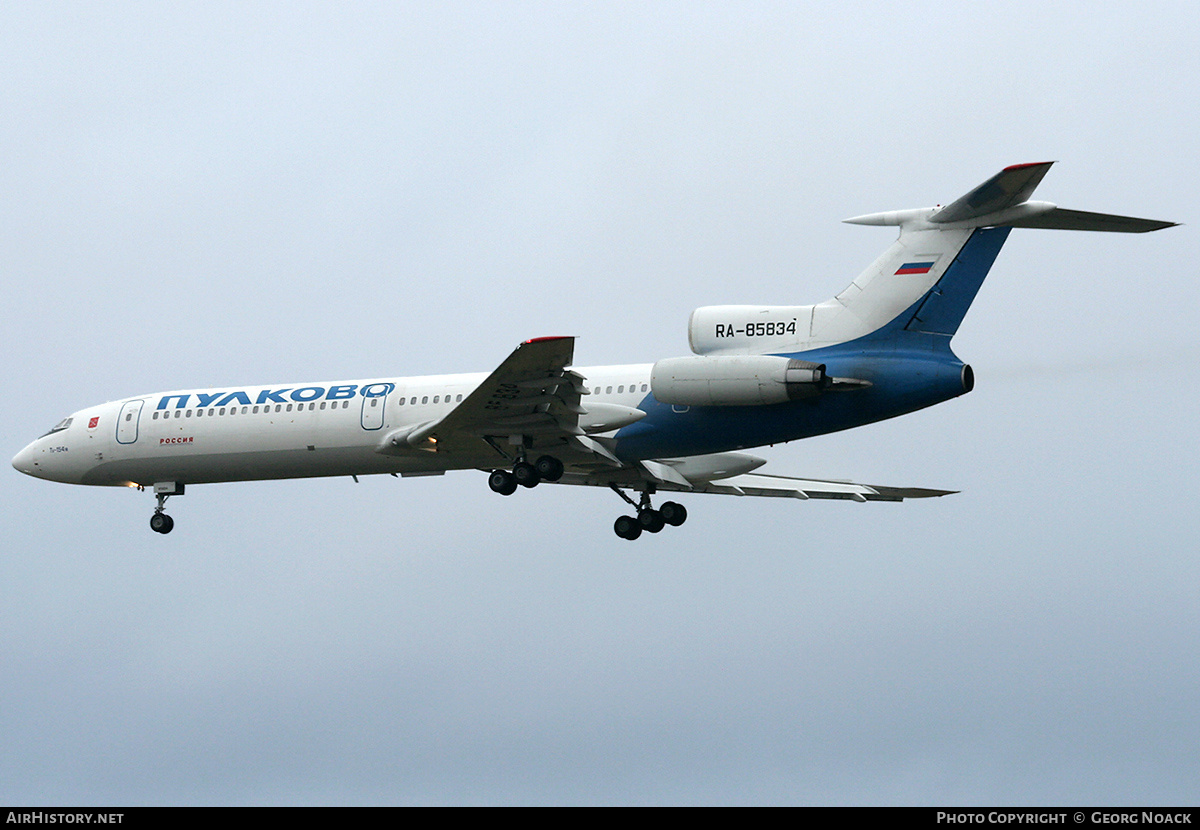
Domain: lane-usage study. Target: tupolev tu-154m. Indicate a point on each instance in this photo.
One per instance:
(759, 375)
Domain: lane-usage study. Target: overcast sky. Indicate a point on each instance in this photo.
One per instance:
(240, 194)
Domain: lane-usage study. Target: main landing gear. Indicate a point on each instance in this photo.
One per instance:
(546, 468)
(549, 468)
(160, 522)
(647, 518)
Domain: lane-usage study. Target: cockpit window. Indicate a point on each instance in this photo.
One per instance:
(59, 427)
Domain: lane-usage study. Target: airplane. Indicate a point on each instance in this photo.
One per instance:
(758, 375)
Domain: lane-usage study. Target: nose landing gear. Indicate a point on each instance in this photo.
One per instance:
(160, 522)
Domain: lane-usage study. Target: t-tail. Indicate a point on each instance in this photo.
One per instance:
(923, 284)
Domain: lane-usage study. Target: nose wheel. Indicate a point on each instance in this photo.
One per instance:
(162, 523)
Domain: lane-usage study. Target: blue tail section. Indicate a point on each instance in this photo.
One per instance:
(943, 308)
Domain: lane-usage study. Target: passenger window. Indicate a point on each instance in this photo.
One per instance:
(154, 416)
(643, 387)
(289, 407)
(322, 404)
(374, 401)
(609, 392)
(425, 399)
(459, 398)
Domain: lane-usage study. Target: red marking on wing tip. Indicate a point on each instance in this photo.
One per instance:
(543, 339)
(1030, 164)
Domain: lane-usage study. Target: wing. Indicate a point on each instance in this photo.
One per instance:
(531, 395)
(754, 484)
(728, 474)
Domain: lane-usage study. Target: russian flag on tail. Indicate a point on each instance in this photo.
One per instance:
(915, 268)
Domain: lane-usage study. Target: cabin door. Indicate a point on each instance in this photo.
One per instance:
(373, 403)
(127, 422)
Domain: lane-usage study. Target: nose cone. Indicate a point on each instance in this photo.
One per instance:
(23, 461)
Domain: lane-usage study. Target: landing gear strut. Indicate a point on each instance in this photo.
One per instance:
(647, 518)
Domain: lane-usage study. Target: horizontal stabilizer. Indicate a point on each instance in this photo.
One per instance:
(1061, 219)
(1008, 188)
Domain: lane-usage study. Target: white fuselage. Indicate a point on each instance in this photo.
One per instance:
(280, 431)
